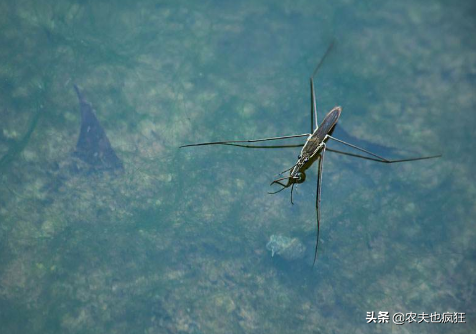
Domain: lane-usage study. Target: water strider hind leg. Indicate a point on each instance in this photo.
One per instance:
(318, 198)
(378, 157)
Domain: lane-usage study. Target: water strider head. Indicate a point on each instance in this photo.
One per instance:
(298, 177)
(296, 173)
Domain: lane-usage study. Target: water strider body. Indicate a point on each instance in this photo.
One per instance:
(312, 150)
(314, 145)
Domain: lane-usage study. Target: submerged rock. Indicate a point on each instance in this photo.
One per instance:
(287, 248)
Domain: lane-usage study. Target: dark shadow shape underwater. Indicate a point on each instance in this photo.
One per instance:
(93, 146)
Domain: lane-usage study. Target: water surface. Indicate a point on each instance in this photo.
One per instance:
(176, 243)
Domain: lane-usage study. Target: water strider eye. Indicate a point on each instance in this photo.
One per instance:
(299, 156)
(306, 159)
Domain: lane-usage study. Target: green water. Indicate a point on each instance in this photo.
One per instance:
(176, 243)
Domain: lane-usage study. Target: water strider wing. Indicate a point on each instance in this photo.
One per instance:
(322, 131)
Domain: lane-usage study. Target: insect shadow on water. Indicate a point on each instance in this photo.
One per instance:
(312, 150)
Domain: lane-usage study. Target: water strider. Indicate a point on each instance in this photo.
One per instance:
(313, 149)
